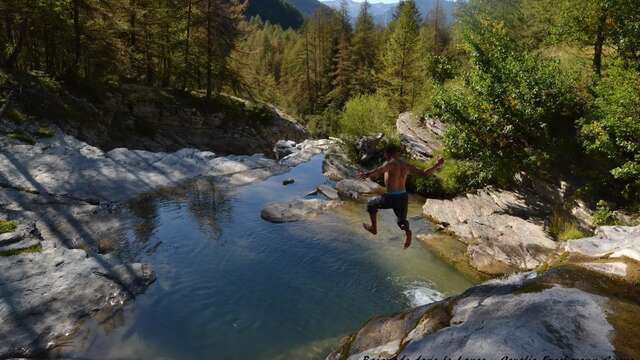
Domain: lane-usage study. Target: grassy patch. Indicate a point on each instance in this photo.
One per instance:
(452, 180)
(44, 132)
(16, 115)
(29, 250)
(7, 226)
(25, 138)
(563, 226)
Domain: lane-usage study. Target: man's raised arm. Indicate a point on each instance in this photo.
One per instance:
(374, 173)
(417, 171)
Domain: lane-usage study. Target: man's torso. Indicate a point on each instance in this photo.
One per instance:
(395, 177)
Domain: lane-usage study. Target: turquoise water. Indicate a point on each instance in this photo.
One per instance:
(232, 286)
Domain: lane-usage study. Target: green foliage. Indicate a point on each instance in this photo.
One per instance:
(611, 129)
(455, 178)
(604, 215)
(29, 250)
(7, 226)
(15, 115)
(44, 132)
(514, 111)
(563, 226)
(401, 58)
(367, 114)
(21, 136)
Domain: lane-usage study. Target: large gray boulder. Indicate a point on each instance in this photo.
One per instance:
(297, 210)
(337, 165)
(502, 229)
(554, 315)
(45, 295)
(420, 138)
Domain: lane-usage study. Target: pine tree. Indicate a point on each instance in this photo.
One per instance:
(364, 50)
(400, 59)
(343, 74)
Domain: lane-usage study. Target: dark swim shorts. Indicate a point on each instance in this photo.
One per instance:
(398, 201)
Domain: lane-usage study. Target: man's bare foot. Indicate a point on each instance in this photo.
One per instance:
(370, 229)
(407, 242)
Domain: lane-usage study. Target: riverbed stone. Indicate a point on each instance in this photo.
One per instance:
(329, 192)
(354, 188)
(297, 210)
(420, 137)
(306, 150)
(46, 294)
(609, 241)
(499, 227)
(336, 164)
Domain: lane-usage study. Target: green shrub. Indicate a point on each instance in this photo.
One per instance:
(20, 136)
(367, 114)
(515, 109)
(455, 178)
(604, 215)
(7, 226)
(611, 129)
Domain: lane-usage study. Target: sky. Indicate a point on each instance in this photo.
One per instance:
(375, 1)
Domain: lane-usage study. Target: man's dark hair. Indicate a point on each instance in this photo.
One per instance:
(391, 150)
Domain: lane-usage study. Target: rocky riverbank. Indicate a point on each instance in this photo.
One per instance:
(582, 300)
(68, 200)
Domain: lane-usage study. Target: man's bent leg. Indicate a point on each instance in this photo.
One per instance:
(404, 225)
(372, 208)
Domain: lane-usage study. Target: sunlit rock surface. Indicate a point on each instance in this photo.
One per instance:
(499, 227)
(556, 314)
(420, 138)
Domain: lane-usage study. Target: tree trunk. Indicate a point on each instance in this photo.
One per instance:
(76, 35)
(13, 57)
(187, 67)
(209, 51)
(600, 39)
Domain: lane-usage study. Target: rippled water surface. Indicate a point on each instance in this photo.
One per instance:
(232, 286)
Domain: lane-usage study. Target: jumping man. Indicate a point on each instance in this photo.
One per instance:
(395, 172)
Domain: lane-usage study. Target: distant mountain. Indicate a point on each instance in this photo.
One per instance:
(276, 12)
(307, 7)
(383, 13)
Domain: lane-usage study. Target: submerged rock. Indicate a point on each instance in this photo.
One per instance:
(522, 316)
(297, 210)
(420, 138)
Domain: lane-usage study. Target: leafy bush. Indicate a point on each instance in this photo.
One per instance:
(612, 128)
(514, 111)
(367, 114)
(604, 215)
(455, 178)
(7, 226)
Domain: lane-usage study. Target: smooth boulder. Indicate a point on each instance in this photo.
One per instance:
(420, 137)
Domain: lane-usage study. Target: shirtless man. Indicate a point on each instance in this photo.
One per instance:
(395, 172)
